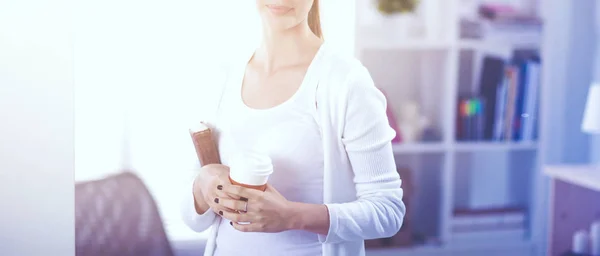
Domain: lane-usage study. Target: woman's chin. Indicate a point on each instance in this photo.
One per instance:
(280, 24)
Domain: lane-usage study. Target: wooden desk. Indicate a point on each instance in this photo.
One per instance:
(574, 203)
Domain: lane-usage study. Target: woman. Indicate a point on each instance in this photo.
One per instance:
(334, 183)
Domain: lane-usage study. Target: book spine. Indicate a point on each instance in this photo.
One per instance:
(519, 98)
(531, 101)
(512, 74)
(501, 109)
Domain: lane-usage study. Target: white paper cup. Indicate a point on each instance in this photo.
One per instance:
(250, 169)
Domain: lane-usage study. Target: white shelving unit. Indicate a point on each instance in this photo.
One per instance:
(428, 70)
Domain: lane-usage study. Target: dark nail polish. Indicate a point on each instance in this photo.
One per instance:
(220, 212)
(220, 187)
(217, 200)
(231, 223)
(244, 199)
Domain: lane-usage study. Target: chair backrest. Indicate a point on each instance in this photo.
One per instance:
(118, 216)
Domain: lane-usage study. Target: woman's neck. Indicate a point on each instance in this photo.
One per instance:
(286, 47)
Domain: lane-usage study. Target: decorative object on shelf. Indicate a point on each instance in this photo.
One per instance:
(591, 117)
(397, 6)
(595, 238)
(581, 242)
(585, 243)
(401, 20)
(411, 122)
(398, 18)
(430, 134)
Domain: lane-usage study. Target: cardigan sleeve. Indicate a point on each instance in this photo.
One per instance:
(195, 221)
(366, 135)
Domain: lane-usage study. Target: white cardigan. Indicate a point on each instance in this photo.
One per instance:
(362, 189)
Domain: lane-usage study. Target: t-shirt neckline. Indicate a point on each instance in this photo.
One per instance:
(308, 78)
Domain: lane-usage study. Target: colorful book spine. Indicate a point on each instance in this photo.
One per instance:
(470, 118)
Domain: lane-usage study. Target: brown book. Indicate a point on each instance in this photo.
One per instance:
(205, 144)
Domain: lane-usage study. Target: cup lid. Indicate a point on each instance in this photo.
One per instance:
(251, 168)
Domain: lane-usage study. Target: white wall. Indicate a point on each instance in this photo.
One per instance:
(595, 144)
(36, 128)
(152, 62)
(579, 77)
(144, 56)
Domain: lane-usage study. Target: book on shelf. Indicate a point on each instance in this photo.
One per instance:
(492, 74)
(505, 13)
(488, 225)
(498, 32)
(510, 91)
(526, 105)
(490, 236)
(501, 23)
(470, 116)
(510, 86)
(489, 219)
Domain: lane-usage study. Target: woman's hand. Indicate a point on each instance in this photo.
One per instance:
(266, 211)
(206, 186)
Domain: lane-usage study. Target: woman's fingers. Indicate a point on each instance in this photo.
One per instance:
(237, 217)
(216, 205)
(252, 227)
(242, 192)
(232, 204)
(221, 194)
(223, 183)
(215, 190)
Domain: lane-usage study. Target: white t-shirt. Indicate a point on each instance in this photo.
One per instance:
(291, 136)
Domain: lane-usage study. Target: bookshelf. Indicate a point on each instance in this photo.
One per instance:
(451, 174)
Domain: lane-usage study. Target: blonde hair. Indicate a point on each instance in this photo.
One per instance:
(314, 19)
